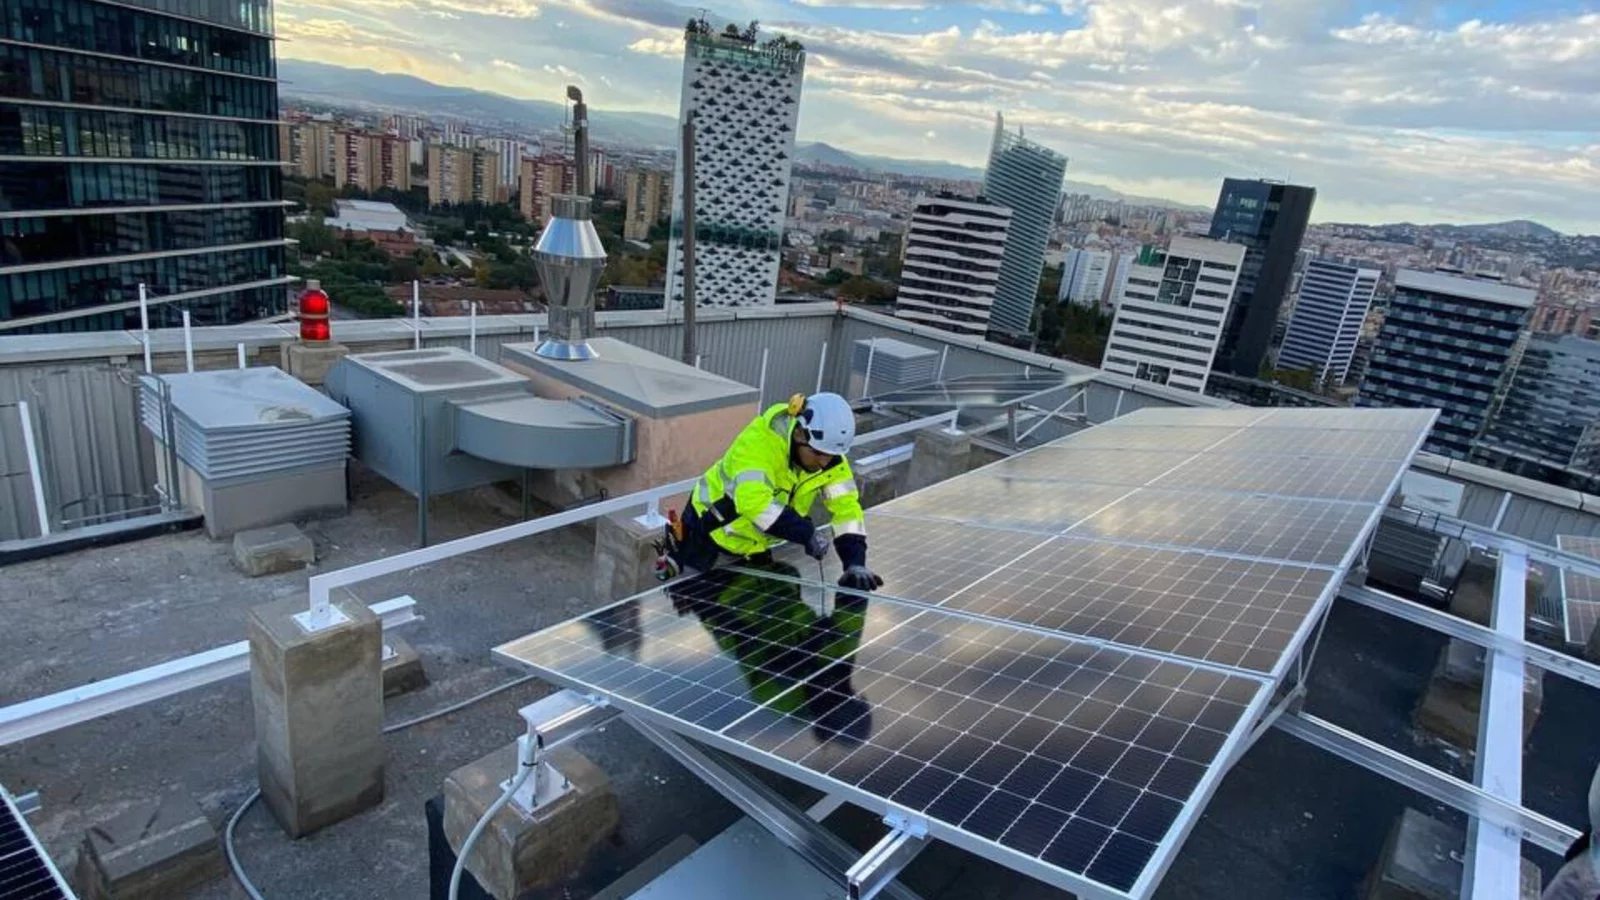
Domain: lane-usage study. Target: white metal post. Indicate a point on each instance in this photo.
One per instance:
(1494, 864)
(144, 325)
(1118, 410)
(416, 315)
(866, 383)
(943, 356)
(35, 468)
(697, 360)
(822, 364)
(188, 343)
(761, 389)
(241, 355)
(472, 328)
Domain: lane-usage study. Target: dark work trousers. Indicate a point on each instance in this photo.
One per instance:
(699, 552)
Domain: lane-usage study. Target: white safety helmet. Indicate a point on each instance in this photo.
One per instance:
(828, 423)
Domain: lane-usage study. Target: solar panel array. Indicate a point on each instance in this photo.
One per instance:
(25, 874)
(1070, 646)
(1580, 594)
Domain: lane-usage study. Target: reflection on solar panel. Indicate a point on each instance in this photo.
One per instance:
(1226, 611)
(1068, 759)
(980, 390)
(1580, 593)
(1069, 646)
(25, 872)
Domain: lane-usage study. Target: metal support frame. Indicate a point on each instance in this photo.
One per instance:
(30, 446)
(878, 867)
(797, 831)
(1494, 854)
(1539, 830)
(1512, 645)
(1055, 413)
(1485, 536)
(73, 706)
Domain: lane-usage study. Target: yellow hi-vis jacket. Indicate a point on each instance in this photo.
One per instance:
(758, 478)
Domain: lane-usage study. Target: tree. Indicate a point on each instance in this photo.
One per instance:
(319, 197)
(860, 289)
(316, 239)
(1299, 379)
(835, 277)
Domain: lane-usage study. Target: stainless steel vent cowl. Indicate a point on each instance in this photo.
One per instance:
(570, 258)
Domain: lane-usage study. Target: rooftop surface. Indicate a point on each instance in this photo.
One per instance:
(1270, 831)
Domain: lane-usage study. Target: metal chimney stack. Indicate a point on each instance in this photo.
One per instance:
(570, 258)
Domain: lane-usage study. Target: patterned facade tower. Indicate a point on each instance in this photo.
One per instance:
(745, 96)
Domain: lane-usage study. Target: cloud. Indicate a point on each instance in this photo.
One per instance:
(665, 47)
(1020, 7)
(507, 65)
(868, 4)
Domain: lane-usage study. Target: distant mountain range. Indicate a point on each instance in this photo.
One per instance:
(1514, 230)
(379, 92)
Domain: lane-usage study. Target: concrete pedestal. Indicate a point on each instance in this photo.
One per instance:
(882, 485)
(310, 362)
(319, 714)
(402, 670)
(937, 455)
(154, 851)
(1473, 598)
(1422, 861)
(515, 853)
(624, 557)
(1592, 651)
(1449, 708)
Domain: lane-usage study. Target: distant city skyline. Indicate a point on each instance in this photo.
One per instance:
(1402, 111)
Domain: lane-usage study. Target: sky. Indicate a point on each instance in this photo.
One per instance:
(1395, 110)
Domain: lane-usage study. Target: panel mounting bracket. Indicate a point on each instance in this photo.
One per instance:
(882, 864)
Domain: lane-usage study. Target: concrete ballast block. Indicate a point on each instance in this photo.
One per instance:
(1422, 861)
(937, 455)
(402, 667)
(1450, 707)
(516, 853)
(155, 850)
(310, 362)
(624, 557)
(319, 713)
(269, 551)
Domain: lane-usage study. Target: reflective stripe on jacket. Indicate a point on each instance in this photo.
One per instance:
(758, 480)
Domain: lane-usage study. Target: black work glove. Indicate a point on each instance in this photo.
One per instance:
(817, 547)
(860, 578)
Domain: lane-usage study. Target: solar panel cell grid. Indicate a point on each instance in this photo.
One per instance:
(1064, 462)
(1408, 421)
(1580, 593)
(23, 874)
(1172, 438)
(1305, 531)
(1236, 417)
(1006, 503)
(1329, 477)
(1225, 611)
(1386, 445)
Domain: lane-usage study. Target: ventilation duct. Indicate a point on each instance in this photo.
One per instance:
(570, 258)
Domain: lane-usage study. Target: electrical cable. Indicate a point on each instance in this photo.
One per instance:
(527, 762)
(233, 820)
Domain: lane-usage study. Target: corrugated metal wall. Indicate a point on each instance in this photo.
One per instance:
(96, 459)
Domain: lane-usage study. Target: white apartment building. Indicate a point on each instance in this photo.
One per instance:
(1171, 313)
(510, 153)
(1333, 303)
(951, 265)
(745, 98)
(1085, 274)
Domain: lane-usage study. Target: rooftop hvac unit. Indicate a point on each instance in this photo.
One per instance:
(247, 447)
(894, 365)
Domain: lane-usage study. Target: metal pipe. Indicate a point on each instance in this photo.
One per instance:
(416, 315)
(822, 365)
(241, 355)
(188, 344)
(169, 426)
(866, 382)
(144, 324)
(686, 243)
(30, 446)
(943, 356)
(472, 327)
(761, 389)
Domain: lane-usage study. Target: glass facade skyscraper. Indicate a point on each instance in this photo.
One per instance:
(1269, 218)
(1026, 178)
(138, 144)
(1446, 343)
(1551, 410)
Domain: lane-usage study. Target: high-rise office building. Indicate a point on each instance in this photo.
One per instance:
(744, 96)
(139, 146)
(463, 175)
(646, 198)
(1549, 416)
(1170, 316)
(1026, 178)
(951, 265)
(542, 178)
(1445, 344)
(1326, 324)
(1085, 275)
(1269, 219)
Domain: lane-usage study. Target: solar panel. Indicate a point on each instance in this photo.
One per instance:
(1389, 445)
(1230, 612)
(1065, 462)
(1314, 532)
(25, 872)
(1070, 760)
(1006, 503)
(1068, 646)
(1580, 594)
(1324, 477)
(1408, 421)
